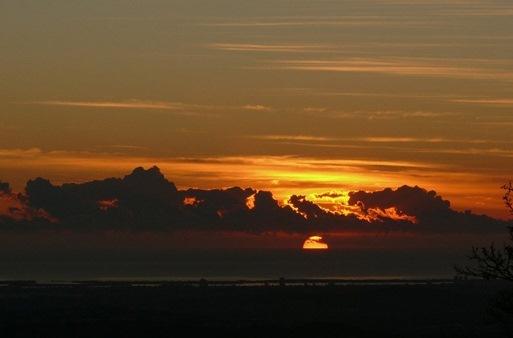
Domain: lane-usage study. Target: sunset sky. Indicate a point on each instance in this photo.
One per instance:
(295, 97)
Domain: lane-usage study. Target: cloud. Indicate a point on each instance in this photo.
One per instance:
(256, 107)
(411, 200)
(368, 139)
(284, 47)
(481, 10)
(14, 209)
(131, 104)
(321, 21)
(5, 188)
(145, 200)
(288, 174)
(17, 153)
(495, 152)
(293, 138)
(430, 211)
(144, 196)
(188, 109)
(331, 194)
(491, 102)
(418, 67)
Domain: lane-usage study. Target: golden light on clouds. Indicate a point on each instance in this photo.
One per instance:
(319, 97)
(317, 178)
(250, 202)
(315, 243)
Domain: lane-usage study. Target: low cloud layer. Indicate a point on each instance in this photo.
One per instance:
(145, 200)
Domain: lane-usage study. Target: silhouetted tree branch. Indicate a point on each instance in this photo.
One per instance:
(508, 199)
(490, 262)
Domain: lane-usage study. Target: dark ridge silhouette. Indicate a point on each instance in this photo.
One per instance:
(282, 310)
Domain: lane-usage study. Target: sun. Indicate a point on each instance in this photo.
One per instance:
(315, 243)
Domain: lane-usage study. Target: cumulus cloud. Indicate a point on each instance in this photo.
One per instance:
(14, 209)
(257, 107)
(145, 200)
(410, 200)
(427, 209)
(330, 194)
(5, 188)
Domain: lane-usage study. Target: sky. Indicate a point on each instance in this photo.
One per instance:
(299, 98)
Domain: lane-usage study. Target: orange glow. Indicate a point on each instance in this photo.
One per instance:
(14, 208)
(283, 175)
(250, 201)
(315, 243)
(105, 205)
(375, 214)
(190, 201)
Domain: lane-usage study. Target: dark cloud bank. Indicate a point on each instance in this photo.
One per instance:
(145, 200)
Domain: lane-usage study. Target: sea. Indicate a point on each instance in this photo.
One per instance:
(247, 264)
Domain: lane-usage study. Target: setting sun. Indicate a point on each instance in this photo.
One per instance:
(315, 243)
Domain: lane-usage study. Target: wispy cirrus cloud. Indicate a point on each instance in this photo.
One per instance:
(128, 147)
(441, 97)
(428, 2)
(418, 67)
(305, 21)
(387, 144)
(284, 47)
(387, 115)
(394, 139)
(492, 102)
(496, 152)
(130, 104)
(263, 171)
(479, 9)
(257, 107)
(369, 139)
(455, 7)
(375, 115)
(174, 107)
(293, 138)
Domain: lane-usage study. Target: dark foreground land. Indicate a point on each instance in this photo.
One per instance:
(125, 309)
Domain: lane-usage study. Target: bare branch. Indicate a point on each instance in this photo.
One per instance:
(508, 198)
(490, 262)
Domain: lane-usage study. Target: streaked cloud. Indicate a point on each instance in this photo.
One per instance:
(131, 104)
(376, 115)
(394, 139)
(256, 107)
(492, 102)
(498, 152)
(283, 48)
(376, 94)
(293, 138)
(127, 147)
(479, 9)
(262, 171)
(370, 139)
(175, 107)
(305, 21)
(420, 67)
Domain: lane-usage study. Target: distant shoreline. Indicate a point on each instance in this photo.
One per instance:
(203, 282)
